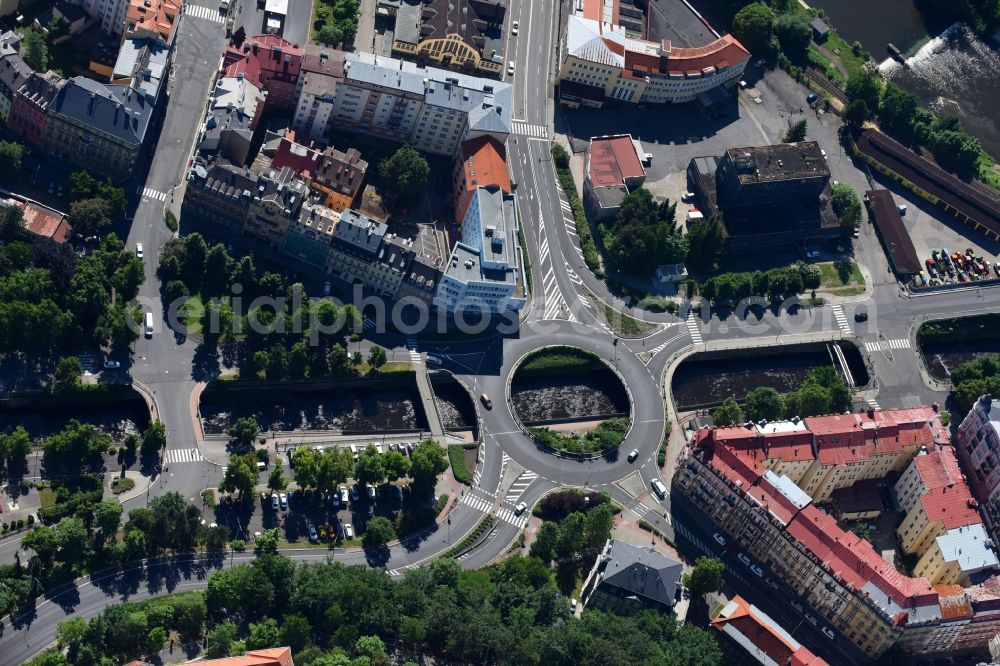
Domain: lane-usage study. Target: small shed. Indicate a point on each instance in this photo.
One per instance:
(820, 30)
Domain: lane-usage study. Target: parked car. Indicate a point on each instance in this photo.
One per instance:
(828, 632)
(312, 533)
(744, 558)
(354, 493)
(513, 27)
(343, 495)
(770, 582)
(335, 500)
(633, 454)
(812, 619)
(721, 540)
(274, 501)
(111, 364)
(757, 570)
(283, 501)
(796, 605)
(348, 530)
(811, 97)
(138, 250)
(658, 488)
(371, 491)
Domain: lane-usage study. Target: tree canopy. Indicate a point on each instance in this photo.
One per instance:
(404, 174)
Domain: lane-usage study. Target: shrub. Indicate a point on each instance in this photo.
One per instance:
(556, 506)
(31, 520)
(171, 220)
(456, 456)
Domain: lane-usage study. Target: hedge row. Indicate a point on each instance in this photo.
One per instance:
(456, 456)
(464, 544)
(590, 256)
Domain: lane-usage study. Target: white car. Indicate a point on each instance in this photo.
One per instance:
(138, 250)
(349, 530)
(744, 559)
(283, 500)
(828, 632)
(274, 501)
(757, 570)
(513, 27)
(721, 540)
(519, 509)
(633, 454)
(343, 495)
(743, 84)
(510, 68)
(371, 491)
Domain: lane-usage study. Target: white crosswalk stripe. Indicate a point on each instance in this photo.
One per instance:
(507, 515)
(411, 346)
(838, 314)
(368, 324)
(528, 129)
(207, 13)
(520, 484)
(477, 475)
(692, 326)
(150, 193)
(182, 456)
(879, 345)
(477, 503)
(565, 205)
(873, 403)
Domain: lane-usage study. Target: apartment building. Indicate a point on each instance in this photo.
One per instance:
(340, 178)
(220, 192)
(481, 162)
(310, 234)
(29, 108)
(433, 109)
(420, 283)
(602, 63)
(272, 64)
(92, 123)
(142, 19)
(841, 577)
(321, 69)
(613, 170)
(978, 449)
(13, 71)
(354, 247)
(275, 205)
(484, 270)
(391, 266)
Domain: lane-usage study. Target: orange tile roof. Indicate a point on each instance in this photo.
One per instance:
(766, 635)
(484, 164)
(613, 160)
(45, 222)
(155, 16)
(953, 506)
(939, 469)
(954, 602)
(281, 656)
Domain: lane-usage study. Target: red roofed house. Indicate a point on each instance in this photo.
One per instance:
(281, 656)
(41, 220)
(270, 63)
(156, 19)
(613, 169)
(763, 638)
(482, 162)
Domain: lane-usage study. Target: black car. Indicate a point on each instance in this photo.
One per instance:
(860, 316)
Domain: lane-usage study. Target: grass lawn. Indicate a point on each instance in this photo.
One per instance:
(47, 496)
(624, 325)
(847, 284)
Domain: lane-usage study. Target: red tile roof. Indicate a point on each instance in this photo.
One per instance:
(261, 57)
(953, 506)
(766, 635)
(302, 159)
(613, 160)
(281, 656)
(954, 602)
(847, 438)
(45, 222)
(939, 469)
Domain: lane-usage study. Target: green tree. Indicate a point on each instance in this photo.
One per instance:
(404, 174)
(156, 639)
(765, 403)
(240, 477)
(706, 576)
(36, 52)
(15, 447)
(794, 34)
(72, 536)
(11, 153)
(693, 645)
(426, 462)
(296, 632)
(846, 205)
(572, 536)
(753, 26)
(305, 464)
(544, 545)
(643, 235)
(268, 541)
(795, 133)
(333, 468)
(11, 222)
(598, 523)
(154, 438)
(66, 377)
(298, 360)
(706, 244)
(369, 468)
(90, 217)
(857, 112)
(331, 35)
(107, 518)
(243, 432)
(372, 647)
(219, 640)
(728, 413)
(378, 533)
(865, 87)
(276, 481)
(262, 635)
(376, 357)
(898, 111)
(395, 464)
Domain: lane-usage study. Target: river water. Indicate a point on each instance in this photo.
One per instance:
(130, 416)
(953, 73)
(597, 393)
